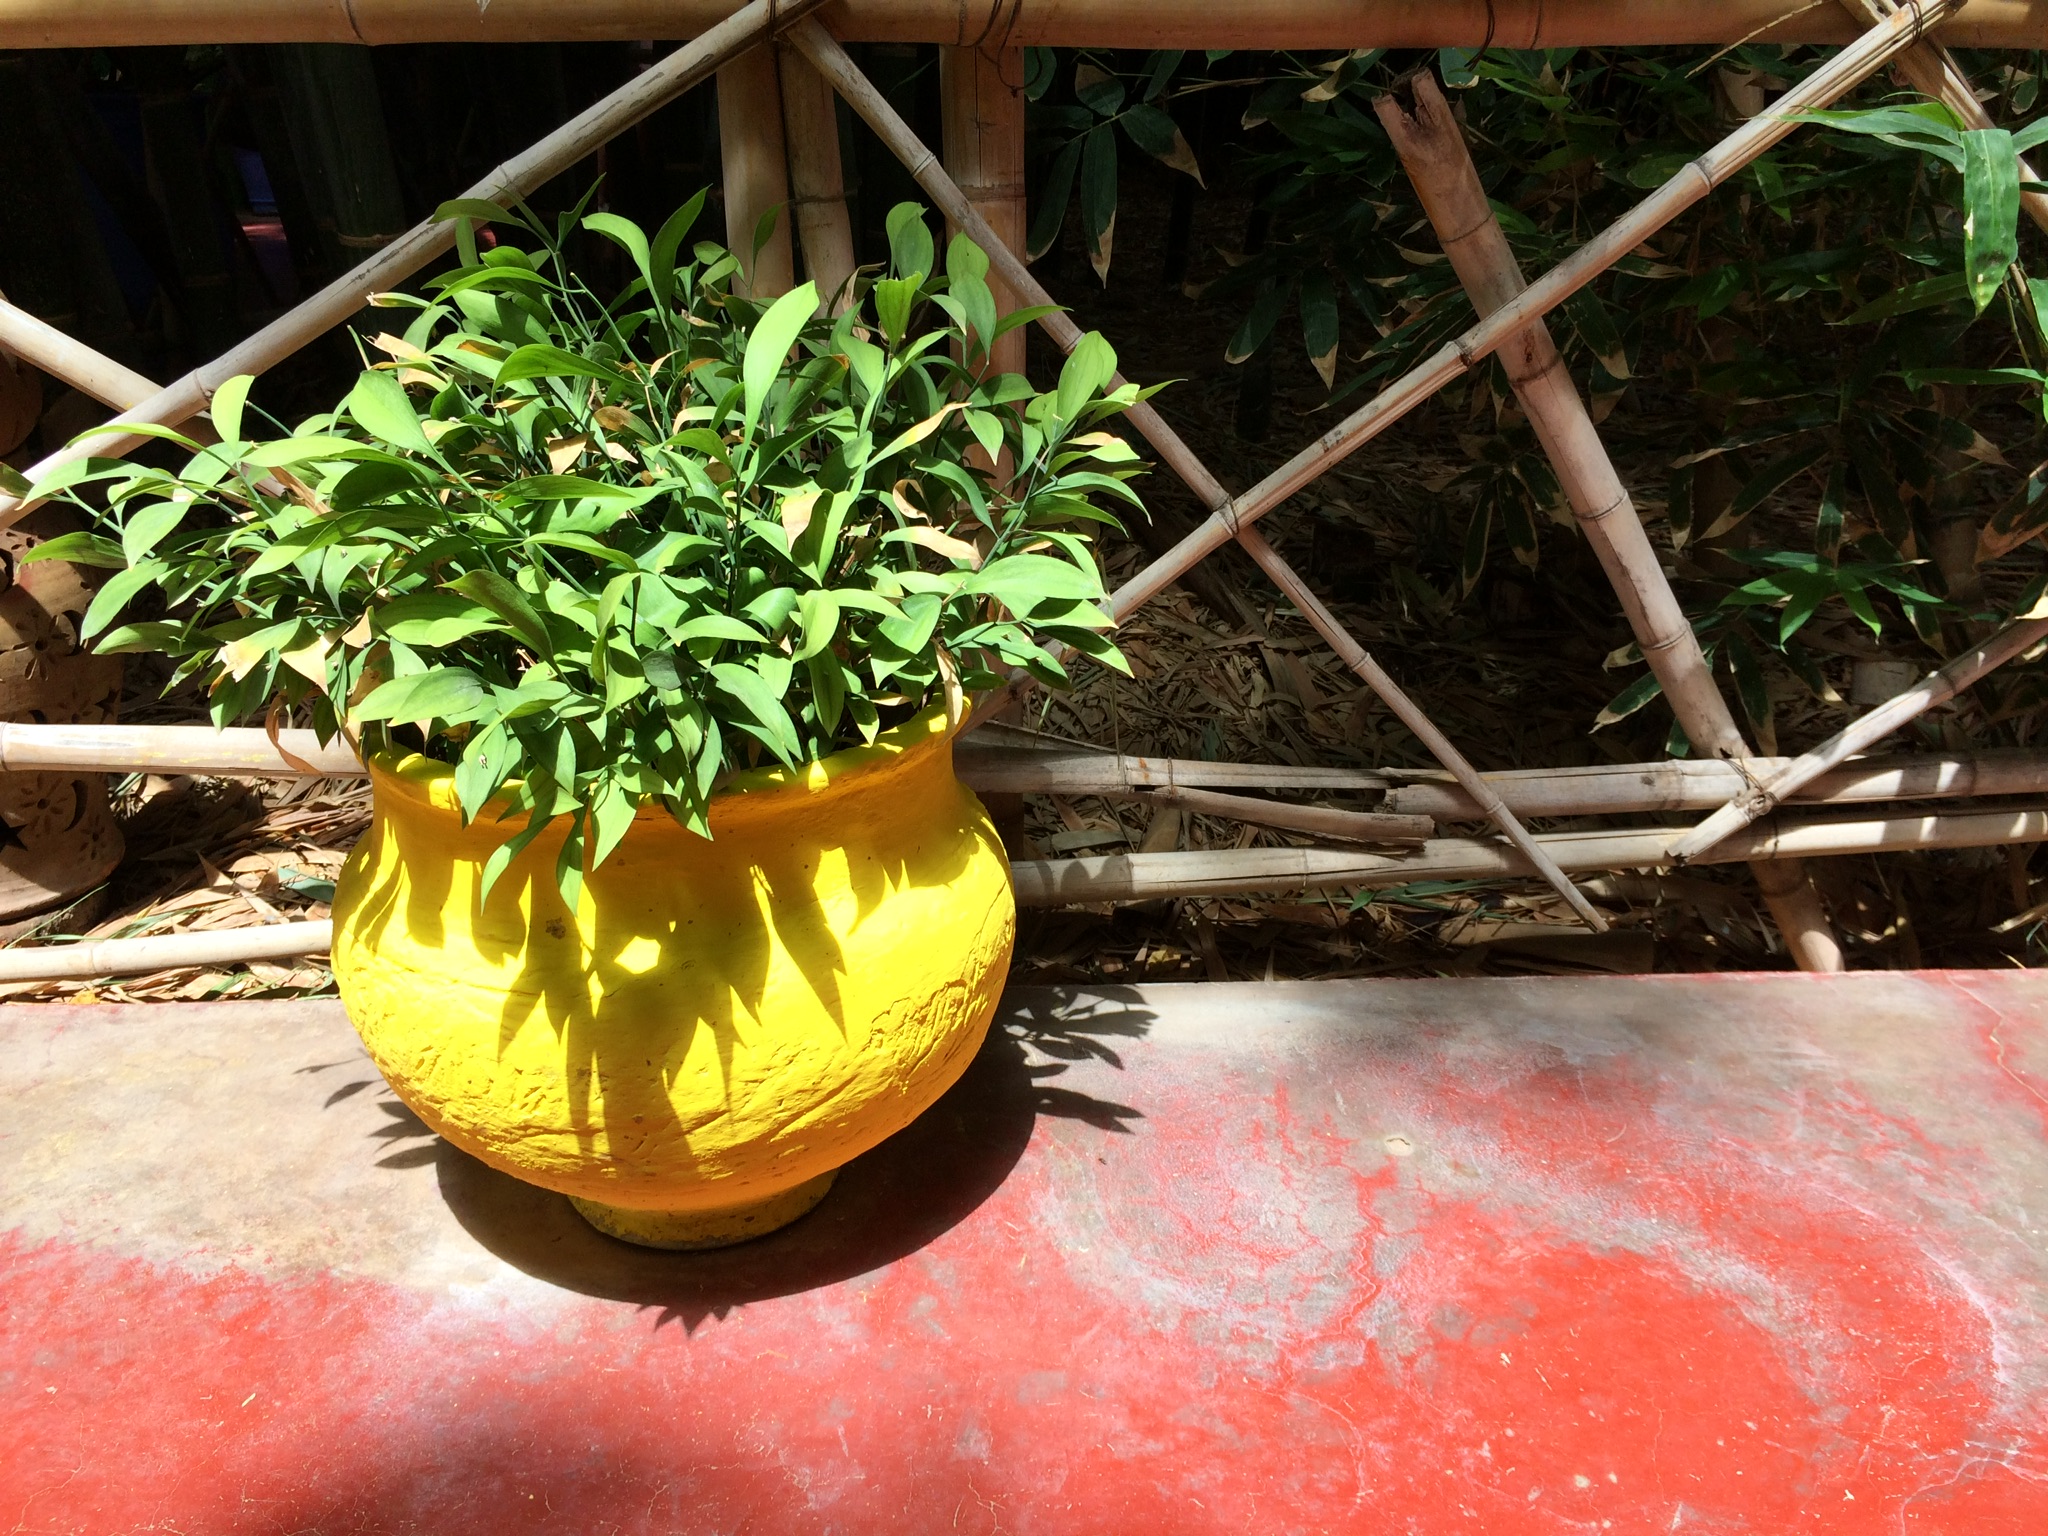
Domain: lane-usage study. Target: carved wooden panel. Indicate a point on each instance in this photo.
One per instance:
(57, 832)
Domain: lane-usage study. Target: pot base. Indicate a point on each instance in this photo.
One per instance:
(705, 1229)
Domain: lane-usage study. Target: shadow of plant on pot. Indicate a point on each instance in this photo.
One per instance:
(889, 1203)
(654, 617)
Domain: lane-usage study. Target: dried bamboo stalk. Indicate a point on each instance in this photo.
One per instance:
(755, 162)
(1612, 789)
(1314, 820)
(1354, 656)
(817, 180)
(1869, 53)
(164, 952)
(1247, 871)
(1623, 789)
(1932, 71)
(1934, 689)
(991, 768)
(173, 749)
(1439, 164)
(832, 62)
(981, 97)
(1261, 24)
(522, 174)
(89, 372)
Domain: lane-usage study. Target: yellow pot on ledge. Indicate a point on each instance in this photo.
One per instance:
(721, 1025)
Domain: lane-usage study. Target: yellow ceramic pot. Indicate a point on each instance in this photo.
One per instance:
(721, 1024)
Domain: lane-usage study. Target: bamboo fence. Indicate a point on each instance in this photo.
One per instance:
(1156, 876)
(1258, 24)
(1899, 36)
(1433, 151)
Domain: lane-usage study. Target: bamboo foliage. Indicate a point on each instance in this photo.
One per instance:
(1847, 69)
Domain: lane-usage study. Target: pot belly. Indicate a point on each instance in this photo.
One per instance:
(717, 1023)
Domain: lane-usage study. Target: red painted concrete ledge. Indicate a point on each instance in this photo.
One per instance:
(1709, 1254)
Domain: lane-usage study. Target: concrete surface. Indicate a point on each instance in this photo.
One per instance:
(1706, 1254)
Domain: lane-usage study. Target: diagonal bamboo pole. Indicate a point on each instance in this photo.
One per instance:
(1844, 71)
(1355, 656)
(89, 372)
(1937, 688)
(832, 61)
(1439, 165)
(520, 175)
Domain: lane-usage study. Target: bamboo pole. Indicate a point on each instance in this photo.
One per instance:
(1262, 24)
(1248, 871)
(756, 171)
(1869, 53)
(817, 178)
(1153, 876)
(981, 95)
(1439, 165)
(1622, 789)
(1313, 820)
(89, 372)
(1354, 656)
(998, 767)
(832, 62)
(409, 252)
(164, 952)
(1934, 689)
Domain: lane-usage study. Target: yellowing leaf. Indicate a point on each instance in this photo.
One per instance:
(941, 544)
(910, 437)
(563, 452)
(309, 660)
(359, 634)
(241, 657)
(400, 348)
(796, 513)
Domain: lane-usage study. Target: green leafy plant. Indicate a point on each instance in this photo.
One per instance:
(598, 553)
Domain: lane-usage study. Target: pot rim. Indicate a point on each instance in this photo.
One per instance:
(416, 777)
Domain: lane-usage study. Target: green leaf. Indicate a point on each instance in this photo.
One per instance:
(767, 348)
(1052, 204)
(433, 619)
(1991, 198)
(1930, 293)
(508, 603)
(537, 360)
(80, 548)
(379, 405)
(451, 694)
(910, 242)
(147, 528)
(226, 407)
(1088, 368)
(1098, 198)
